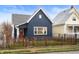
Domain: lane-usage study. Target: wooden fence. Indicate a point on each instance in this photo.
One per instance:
(60, 39)
(48, 41)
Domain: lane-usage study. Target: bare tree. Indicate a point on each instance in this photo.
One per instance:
(7, 30)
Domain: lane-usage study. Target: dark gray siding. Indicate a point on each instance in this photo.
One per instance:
(35, 21)
(15, 32)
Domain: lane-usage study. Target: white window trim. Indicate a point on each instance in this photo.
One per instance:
(37, 30)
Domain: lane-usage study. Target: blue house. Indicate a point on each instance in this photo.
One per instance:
(36, 25)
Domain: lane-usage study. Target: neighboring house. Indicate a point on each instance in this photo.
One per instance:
(36, 25)
(66, 22)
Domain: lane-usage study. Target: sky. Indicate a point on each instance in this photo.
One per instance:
(52, 10)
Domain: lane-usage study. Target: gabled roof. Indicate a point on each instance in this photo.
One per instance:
(27, 21)
(63, 16)
(19, 18)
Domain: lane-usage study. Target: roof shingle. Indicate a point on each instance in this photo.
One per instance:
(63, 16)
(19, 18)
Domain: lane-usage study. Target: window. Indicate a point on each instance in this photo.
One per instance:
(74, 19)
(40, 16)
(40, 30)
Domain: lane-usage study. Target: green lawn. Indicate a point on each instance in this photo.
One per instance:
(45, 49)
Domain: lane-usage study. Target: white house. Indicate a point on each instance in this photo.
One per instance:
(67, 22)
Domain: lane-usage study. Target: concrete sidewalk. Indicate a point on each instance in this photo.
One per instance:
(69, 52)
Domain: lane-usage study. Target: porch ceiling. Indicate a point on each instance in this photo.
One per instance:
(23, 26)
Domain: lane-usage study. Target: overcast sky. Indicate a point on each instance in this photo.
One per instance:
(7, 10)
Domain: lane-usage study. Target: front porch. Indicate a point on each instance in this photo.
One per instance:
(21, 31)
(72, 29)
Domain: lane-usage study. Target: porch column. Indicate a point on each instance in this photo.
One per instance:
(12, 31)
(65, 29)
(17, 32)
(73, 30)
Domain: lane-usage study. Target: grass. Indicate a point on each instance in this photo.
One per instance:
(35, 44)
(15, 51)
(62, 49)
(48, 43)
(46, 49)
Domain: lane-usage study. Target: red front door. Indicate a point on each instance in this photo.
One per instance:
(21, 33)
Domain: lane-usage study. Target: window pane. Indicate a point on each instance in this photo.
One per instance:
(35, 32)
(40, 16)
(40, 30)
(35, 29)
(74, 19)
(45, 30)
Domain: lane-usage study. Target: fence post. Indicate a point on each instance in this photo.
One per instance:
(32, 41)
(46, 43)
(59, 35)
(75, 38)
(4, 41)
(64, 39)
(24, 42)
(27, 42)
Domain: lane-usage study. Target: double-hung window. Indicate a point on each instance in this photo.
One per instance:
(40, 30)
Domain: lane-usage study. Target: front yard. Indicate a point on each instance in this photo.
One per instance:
(45, 49)
(32, 46)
